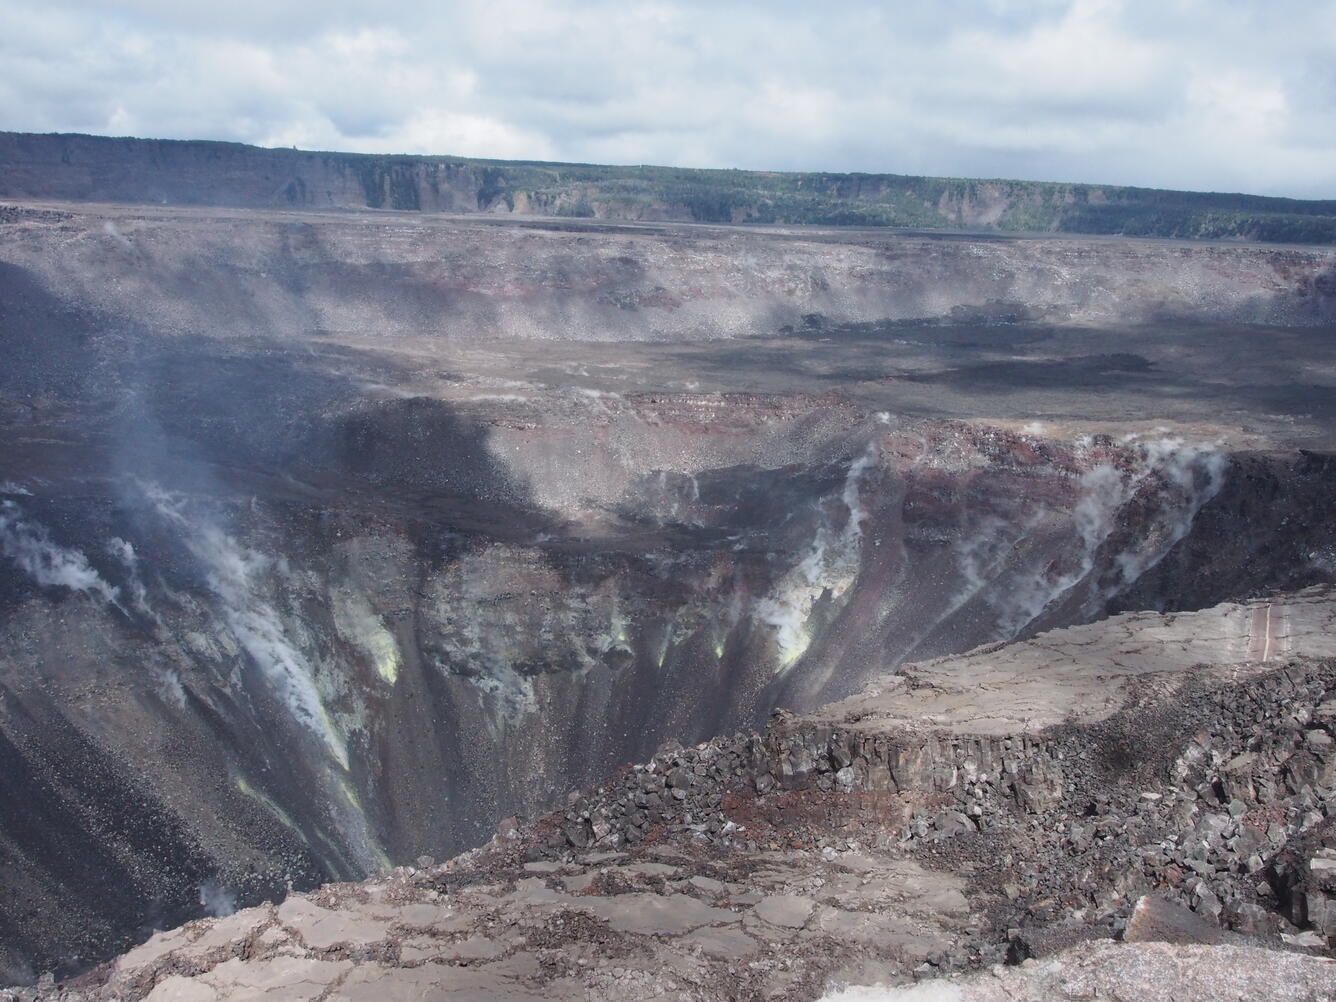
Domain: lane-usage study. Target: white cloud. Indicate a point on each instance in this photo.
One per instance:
(1219, 94)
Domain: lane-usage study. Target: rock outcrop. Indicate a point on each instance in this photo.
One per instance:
(932, 826)
(1148, 972)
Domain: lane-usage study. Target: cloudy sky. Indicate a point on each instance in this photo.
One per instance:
(1206, 94)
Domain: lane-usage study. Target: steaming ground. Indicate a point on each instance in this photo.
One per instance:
(328, 541)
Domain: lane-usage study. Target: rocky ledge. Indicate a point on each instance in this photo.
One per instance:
(1150, 800)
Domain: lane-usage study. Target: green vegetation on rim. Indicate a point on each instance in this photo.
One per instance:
(204, 172)
(735, 196)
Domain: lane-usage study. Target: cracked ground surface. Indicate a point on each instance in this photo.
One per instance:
(659, 923)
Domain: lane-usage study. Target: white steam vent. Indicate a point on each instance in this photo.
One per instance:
(51, 565)
(217, 900)
(236, 575)
(831, 564)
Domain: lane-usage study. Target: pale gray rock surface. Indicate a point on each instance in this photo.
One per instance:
(1084, 674)
(1142, 972)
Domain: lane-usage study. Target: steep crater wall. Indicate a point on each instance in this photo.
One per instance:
(341, 683)
(423, 281)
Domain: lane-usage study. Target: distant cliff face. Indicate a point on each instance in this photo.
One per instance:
(90, 168)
